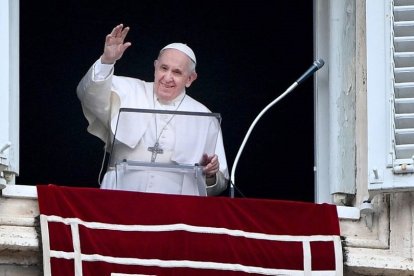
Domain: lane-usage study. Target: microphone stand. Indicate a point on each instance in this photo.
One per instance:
(315, 66)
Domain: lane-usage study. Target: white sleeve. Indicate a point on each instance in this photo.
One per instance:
(101, 71)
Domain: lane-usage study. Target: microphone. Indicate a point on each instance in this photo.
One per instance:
(317, 64)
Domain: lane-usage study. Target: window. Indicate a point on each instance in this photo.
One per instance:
(390, 93)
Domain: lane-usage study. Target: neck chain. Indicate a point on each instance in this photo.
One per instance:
(156, 149)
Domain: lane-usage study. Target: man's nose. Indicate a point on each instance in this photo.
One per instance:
(168, 75)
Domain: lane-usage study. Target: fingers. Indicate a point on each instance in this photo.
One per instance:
(118, 33)
(212, 166)
(124, 32)
(204, 160)
(108, 39)
(115, 30)
(214, 160)
(125, 46)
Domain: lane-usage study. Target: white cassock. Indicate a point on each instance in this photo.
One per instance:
(183, 139)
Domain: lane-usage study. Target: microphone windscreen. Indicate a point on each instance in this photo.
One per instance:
(319, 63)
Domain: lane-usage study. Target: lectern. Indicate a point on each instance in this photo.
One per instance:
(166, 142)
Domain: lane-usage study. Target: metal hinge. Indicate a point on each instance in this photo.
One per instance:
(4, 164)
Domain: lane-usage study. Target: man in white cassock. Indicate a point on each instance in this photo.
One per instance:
(164, 138)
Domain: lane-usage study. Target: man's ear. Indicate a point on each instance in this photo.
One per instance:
(191, 78)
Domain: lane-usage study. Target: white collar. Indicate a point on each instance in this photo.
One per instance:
(175, 102)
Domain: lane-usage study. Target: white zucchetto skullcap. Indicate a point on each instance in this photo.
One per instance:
(183, 48)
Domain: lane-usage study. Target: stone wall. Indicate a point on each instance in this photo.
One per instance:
(19, 240)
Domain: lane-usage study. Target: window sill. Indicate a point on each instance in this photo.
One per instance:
(19, 191)
(348, 213)
(30, 192)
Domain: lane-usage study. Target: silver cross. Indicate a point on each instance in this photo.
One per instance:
(155, 150)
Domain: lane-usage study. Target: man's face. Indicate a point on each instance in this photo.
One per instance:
(172, 74)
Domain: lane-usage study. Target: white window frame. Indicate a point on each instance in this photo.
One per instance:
(334, 110)
(321, 87)
(10, 98)
(326, 170)
(9, 88)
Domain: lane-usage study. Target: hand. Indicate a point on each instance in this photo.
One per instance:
(211, 164)
(114, 45)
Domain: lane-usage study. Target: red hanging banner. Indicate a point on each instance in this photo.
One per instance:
(88, 231)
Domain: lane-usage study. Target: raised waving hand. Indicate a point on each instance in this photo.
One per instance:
(115, 45)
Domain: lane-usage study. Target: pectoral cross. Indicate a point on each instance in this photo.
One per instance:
(155, 150)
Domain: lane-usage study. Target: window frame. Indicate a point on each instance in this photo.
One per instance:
(9, 87)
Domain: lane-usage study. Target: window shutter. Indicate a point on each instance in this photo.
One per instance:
(390, 95)
(403, 82)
